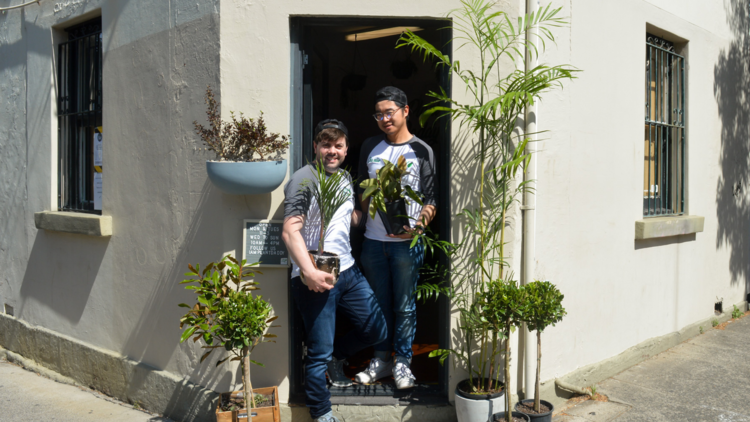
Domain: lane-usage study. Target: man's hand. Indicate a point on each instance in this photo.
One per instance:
(317, 281)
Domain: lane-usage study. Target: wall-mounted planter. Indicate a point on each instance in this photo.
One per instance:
(246, 178)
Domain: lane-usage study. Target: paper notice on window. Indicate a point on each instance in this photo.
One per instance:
(98, 191)
(98, 149)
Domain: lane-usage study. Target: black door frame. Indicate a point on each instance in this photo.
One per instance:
(300, 151)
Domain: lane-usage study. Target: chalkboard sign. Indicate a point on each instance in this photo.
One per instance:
(261, 242)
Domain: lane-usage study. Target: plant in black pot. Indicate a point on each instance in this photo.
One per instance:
(330, 191)
(388, 195)
(227, 316)
(544, 308)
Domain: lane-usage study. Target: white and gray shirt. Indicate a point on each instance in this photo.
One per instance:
(420, 165)
(298, 200)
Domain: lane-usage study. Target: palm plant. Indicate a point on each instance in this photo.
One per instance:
(330, 192)
(226, 315)
(498, 97)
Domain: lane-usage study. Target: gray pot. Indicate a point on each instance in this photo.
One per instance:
(478, 407)
(246, 178)
(327, 262)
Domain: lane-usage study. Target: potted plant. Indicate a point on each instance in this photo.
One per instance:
(499, 96)
(388, 195)
(543, 308)
(249, 159)
(330, 192)
(227, 316)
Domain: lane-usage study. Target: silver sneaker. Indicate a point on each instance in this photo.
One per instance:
(328, 417)
(376, 370)
(336, 374)
(402, 373)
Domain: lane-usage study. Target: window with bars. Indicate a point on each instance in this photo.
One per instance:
(664, 144)
(79, 96)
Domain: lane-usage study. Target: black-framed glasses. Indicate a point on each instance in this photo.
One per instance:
(387, 115)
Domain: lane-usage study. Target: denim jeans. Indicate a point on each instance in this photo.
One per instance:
(392, 268)
(353, 297)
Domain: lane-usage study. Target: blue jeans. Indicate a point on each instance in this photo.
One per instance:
(392, 268)
(353, 297)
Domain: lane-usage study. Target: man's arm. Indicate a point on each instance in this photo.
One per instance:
(316, 280)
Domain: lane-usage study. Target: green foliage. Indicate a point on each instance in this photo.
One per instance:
(499, 97)
(241, 138)
(736, 313)
(387, 186)
(700, 329)
(330, 193)
(593, 390)
(714, 322)
(226, 315)
(544, 305)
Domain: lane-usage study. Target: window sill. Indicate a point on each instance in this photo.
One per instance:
(655, 227)
(72, 222)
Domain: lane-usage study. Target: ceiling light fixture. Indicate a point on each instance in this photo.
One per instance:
(380, 33)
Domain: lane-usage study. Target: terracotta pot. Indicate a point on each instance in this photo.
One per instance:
(260, 414)
(327, 262)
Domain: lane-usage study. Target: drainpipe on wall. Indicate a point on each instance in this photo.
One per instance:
(529, 213)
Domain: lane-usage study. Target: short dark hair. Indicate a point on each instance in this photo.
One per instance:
(330, 130)
(391, 93)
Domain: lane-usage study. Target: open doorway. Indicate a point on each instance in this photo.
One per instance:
(337, 66)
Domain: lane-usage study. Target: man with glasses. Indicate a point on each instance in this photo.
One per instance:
(316, 297)
(391, 266)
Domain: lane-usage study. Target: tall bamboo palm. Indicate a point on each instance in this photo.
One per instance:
(500, 89)
(329, 191)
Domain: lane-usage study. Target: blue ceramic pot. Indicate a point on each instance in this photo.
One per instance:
(246, 178)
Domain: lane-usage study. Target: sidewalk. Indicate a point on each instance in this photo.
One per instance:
(26, 396)
(703, 379)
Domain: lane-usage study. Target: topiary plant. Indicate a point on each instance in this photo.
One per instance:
(543, 308)
(226, 315)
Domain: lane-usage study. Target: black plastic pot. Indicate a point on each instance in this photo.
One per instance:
(500, 417)
(394, 218)
(327, 262)
(537, 417)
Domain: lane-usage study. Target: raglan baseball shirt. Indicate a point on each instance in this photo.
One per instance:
(420, 165)
(298, 200)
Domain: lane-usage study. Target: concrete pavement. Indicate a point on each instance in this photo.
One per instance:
(706, 378)
(26, 396)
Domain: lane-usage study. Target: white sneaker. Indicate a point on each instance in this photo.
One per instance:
(378, 369)
(328, 417)
(336, 374)
(402, 373)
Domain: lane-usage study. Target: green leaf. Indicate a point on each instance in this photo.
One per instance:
(187, 333)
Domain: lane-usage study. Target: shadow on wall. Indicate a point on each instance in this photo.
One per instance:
(731, 88)
(57, 277)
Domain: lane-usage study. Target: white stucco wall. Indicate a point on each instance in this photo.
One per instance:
(620, 292)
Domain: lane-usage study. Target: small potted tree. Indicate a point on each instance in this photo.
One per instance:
(227, 316)
(249, 159)
(543, 308)
(503, 305)
(330, 192)
(388, 194)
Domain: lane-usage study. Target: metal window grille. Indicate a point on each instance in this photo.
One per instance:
(664, 152)
(79, 114)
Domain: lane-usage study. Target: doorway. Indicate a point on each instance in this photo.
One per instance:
(337, 66)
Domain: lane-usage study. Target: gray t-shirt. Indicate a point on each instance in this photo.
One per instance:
(298, 200)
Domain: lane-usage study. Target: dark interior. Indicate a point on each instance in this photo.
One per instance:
(341, 77)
